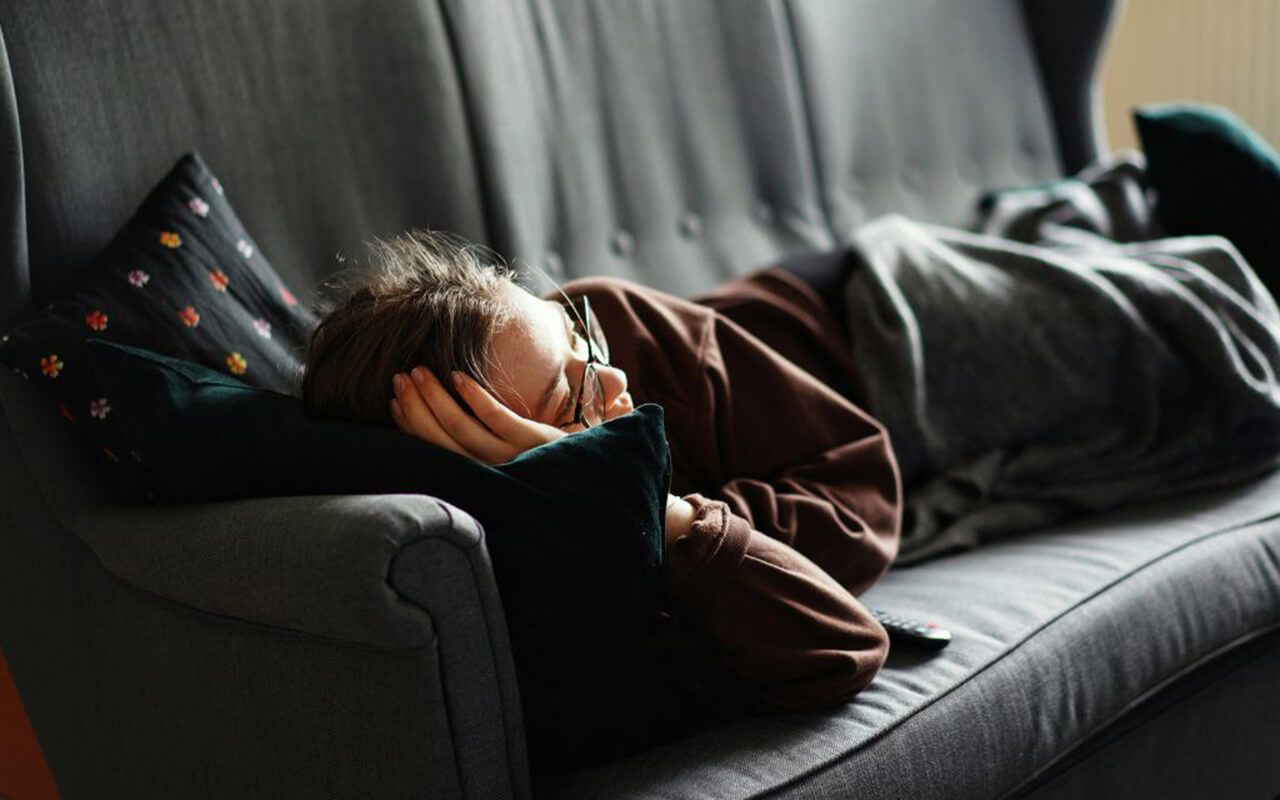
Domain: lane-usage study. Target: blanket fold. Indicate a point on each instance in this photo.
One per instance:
(1060, 358)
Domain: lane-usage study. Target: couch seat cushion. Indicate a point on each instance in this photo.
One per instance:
(1056, 635)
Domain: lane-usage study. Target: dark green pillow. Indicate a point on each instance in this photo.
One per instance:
(1214, 175)
(574, 528)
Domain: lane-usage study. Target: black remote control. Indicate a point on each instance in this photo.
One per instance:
(914, 632)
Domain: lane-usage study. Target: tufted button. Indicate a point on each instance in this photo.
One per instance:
(555, 264)
(622, 244)
(857, 182)
(690, 225)
(1027, 156)
(764, 212)
(913, 176)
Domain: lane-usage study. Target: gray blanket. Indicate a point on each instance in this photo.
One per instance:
(1061, 358)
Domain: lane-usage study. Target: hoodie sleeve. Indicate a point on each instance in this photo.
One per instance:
(796, 489)
(769, 615)
(824, 481)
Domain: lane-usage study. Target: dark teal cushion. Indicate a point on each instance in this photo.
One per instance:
(1214, 175)
(574, 528)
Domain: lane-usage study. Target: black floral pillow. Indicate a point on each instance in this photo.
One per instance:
(182, 278)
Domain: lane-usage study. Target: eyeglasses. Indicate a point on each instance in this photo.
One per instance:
(589, 407)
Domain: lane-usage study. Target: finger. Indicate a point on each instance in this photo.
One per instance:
(466, 430)
(397, 416)
(412, 416)
(403, 424)
(506, 424)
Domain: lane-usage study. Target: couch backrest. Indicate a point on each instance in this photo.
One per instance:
(658, 141)
(327, 121)
(917, 107)
(675, 142)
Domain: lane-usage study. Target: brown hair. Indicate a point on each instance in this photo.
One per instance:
(426, 298)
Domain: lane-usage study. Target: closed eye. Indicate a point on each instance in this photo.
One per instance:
(566, 408)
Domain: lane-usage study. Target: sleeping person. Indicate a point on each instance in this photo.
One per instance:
(786, 500)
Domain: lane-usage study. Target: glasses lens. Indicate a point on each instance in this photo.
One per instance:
(594, 331)
(592, 396)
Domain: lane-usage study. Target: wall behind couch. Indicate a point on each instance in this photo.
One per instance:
(1225, 52)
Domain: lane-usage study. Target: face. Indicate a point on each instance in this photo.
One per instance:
(535, 369)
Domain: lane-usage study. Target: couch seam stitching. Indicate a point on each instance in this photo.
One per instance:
(1151, 691)
(1015, 648)
(810, 129)
(489, 634)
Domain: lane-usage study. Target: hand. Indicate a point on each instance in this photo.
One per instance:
(679, 518)
(423, 408)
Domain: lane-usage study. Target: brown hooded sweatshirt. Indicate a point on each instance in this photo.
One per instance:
(796, 489)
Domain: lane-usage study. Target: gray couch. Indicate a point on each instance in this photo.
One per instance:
(354, 646)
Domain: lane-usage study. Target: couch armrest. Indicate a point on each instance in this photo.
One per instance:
(385, 571)
(318, 565)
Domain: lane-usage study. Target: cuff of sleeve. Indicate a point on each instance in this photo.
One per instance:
(702, 563)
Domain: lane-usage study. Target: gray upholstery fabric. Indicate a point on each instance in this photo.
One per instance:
(1057, 635)
(455, 585)
(879, 148)
(1210, 717)
(15, 279)
(327, 122)
(657, 141)
(167, 630)
(677, 144)
(317, 565)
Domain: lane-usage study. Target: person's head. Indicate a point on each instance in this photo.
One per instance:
(432, 299)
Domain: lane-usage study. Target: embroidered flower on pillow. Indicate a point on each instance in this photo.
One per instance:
(51, 365)
(96, 320)
(237, 364)
(183, 243)
(98, 409)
